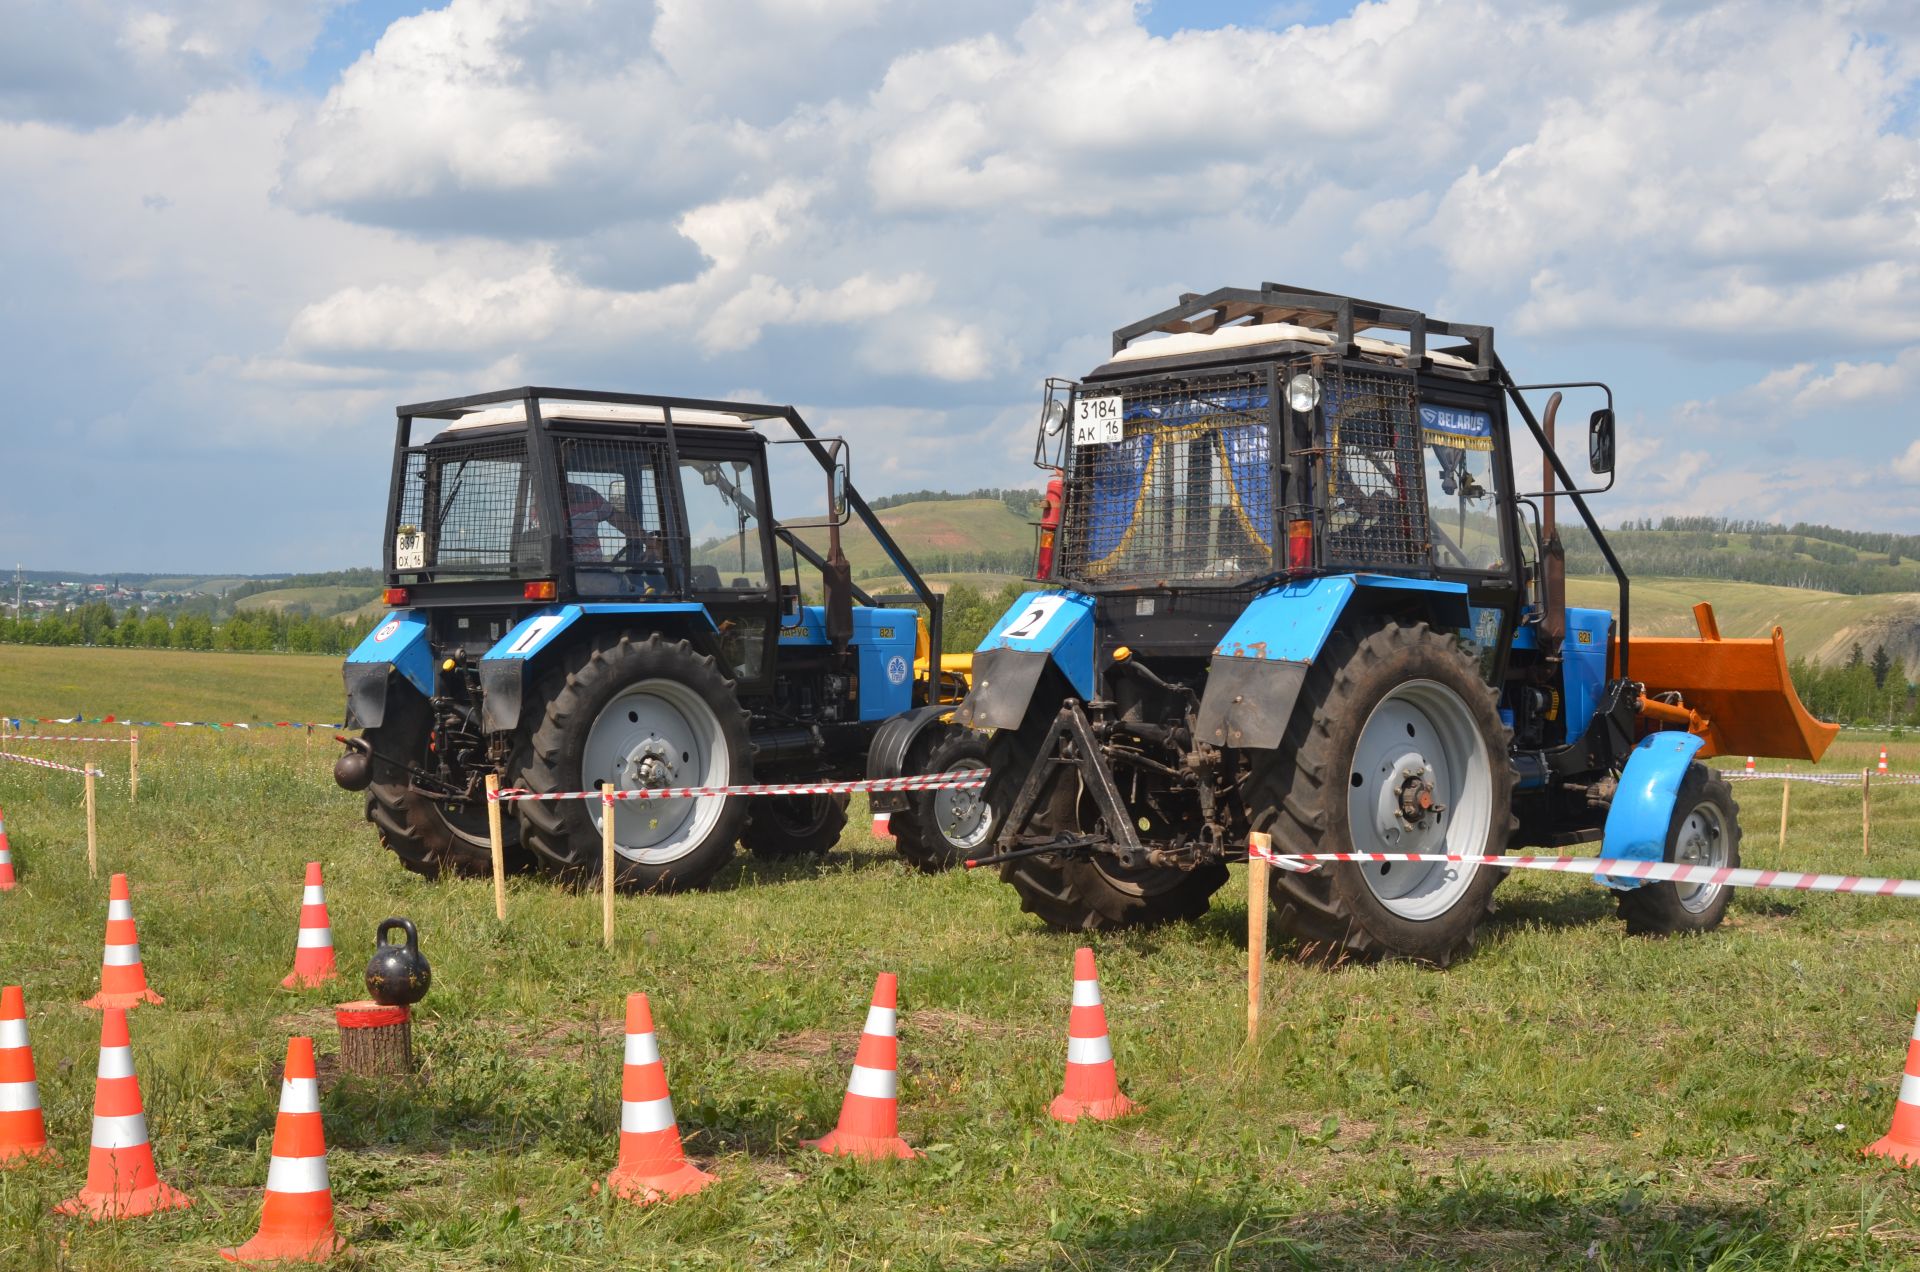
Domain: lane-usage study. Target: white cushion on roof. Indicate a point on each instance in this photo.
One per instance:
(1243, 334)
(599, 413)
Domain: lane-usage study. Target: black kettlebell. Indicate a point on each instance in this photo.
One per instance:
(398, 975)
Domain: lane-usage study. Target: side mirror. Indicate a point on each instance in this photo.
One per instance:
(1600, 441)
(789, 606)
(839, 492)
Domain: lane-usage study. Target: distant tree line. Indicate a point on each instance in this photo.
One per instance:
(1801, 555)
(1863, 690)
(371, 579)
(248, 630)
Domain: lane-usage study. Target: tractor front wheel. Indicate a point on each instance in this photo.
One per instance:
(1705, 831)
(938, 830)
(1395, 746)
(649, 714)
(780, 827)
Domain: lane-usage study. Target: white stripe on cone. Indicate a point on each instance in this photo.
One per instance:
(297, 1175)
(1909, 1089)
(299, 1095)
(115, 1062)
(313, 895)
(881, 1084)
(642, 1049)
(121, 955)
(127, 1131)
(119, 908)
(316, 938)
(1086, 993)
(18, 1097)
(1089, 1050)
(640, 1117)
(13, 1033)
(880, 1021)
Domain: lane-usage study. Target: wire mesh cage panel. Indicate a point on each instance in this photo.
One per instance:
(464, 510)
(1374, 483)
(1185, 496)
(614, 517)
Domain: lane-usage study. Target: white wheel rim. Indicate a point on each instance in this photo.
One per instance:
(962, 816)
(1702, 841)
(657, 733)
(1420, 736)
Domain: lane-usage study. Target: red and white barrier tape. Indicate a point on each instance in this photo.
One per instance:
(1822, 779)
(49, 764)
(927, 782)
(1656, 871)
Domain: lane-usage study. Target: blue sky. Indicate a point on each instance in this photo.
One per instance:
(238, 232)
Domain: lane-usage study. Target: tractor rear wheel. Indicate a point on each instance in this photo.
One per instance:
(938, 830)
(780, 827)
(645, 713)
(1705, 831)
(1395, 746)
(1080, 893)
(430, 838)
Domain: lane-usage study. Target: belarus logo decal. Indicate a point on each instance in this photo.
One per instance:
(897, 670)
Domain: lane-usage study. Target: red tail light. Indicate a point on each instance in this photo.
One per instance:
(1049, 523)
(396, 596)
(541, 591)
(1299, 545)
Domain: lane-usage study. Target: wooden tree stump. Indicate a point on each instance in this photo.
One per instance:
(375, 1041)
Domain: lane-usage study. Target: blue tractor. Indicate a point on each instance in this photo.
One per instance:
(1295, 583)
(592, 587)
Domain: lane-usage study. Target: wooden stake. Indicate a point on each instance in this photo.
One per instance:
(93, 840)
(1257, 870)
(309, 737)
(133, 769)
(499, 848)
(1786, 793)
(1866, 810)
(606, 864)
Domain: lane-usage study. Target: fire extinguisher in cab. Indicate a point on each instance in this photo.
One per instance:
(1049, 526)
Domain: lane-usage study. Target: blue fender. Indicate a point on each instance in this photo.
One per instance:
(503, 668)
(1042, 628)
(397, 643)
(1642, 811)
(1260, 664)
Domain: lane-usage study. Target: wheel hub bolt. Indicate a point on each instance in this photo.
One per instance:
(1416, 800)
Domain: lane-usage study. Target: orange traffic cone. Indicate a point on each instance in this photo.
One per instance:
(1750, 767)
(870, 1114)
(1902, 1142)
(7, 883)
(296, 1223)
(652, 1164)
(1883, 759)
(313, 955)
(123, 977)
(1092, 1087)
(23, 1129)
(121, 1180)
(883, 825)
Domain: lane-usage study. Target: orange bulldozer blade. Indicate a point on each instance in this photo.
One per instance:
(1739, 691)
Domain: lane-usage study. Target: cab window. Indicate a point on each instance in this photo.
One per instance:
(723, 526)
(1462, 499)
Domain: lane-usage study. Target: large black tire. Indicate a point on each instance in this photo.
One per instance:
(1705, 830)
(701, 833)
(1086, 894)
(428, 840)
(938, 830)
(1299, 794)
(780, 827)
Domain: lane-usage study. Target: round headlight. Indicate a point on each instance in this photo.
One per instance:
(1303, 393)
(1054, 417)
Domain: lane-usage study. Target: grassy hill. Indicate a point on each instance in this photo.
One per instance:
(1820, 625)
(323, 600)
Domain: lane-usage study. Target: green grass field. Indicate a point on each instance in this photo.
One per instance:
(1567, 1097)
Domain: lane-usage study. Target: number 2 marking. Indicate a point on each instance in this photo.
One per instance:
(1029, 625)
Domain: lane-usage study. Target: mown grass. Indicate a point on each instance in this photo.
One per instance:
(1566, 1097)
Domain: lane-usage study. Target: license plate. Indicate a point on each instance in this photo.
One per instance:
(409, 551)
(1097, 420)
